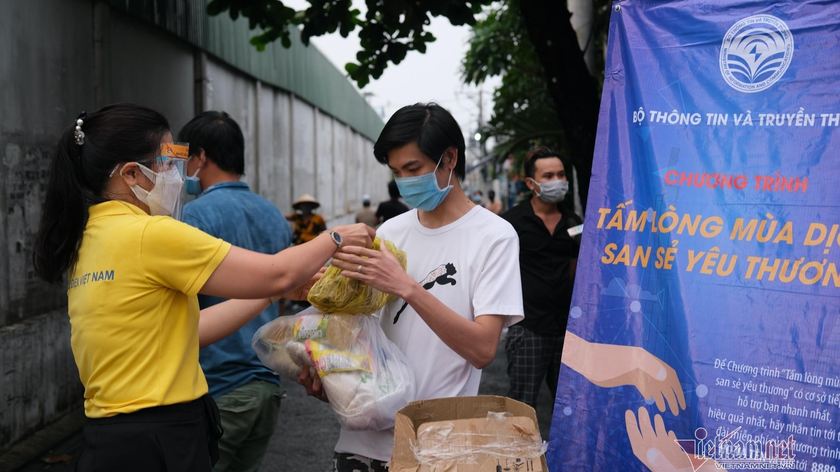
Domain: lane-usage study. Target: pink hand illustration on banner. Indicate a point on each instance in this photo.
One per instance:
(608, 365)
(658, 449)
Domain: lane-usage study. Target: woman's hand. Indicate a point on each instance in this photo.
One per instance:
(359, 234)
(379, 269)
(302, 292)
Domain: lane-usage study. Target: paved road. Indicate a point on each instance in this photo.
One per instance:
(307, 430)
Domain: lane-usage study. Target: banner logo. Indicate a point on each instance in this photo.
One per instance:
(755, 53)
(738, 450)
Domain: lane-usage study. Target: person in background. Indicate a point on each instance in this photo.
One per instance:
(308, 225)
(246, 392)
(548, 251)
(478, 198)
(133, 274)
(392, 207)
(493, 205)
(521, 196)
(461, 287)
(366, 214)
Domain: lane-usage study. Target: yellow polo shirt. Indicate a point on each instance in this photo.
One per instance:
(134, 311)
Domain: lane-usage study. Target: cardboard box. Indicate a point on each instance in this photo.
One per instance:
(467, 434)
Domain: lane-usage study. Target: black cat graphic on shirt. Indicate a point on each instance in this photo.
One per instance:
(440, 276)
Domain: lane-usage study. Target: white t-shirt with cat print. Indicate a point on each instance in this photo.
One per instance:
(472, 266)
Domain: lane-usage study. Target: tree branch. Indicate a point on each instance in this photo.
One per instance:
(574, 92)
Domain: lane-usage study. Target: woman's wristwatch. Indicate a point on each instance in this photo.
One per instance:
(336, 238)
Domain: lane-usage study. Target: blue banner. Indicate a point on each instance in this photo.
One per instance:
(704, 333)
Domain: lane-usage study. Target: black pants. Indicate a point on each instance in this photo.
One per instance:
(175, 438)
(344, 462)
(532, 358)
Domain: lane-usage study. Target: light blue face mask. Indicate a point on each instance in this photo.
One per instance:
(423, 192)
(192, 184)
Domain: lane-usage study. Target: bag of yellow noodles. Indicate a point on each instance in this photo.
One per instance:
(334, 293)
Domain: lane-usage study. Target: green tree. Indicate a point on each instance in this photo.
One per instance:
(387, 32)
(391, 28)
(542, 100)
(523, 110)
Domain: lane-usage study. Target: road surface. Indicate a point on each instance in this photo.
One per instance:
(307, 429)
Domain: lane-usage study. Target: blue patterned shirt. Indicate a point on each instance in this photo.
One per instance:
(232, 212)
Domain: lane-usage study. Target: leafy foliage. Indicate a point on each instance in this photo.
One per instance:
(547, 97)
(388, 31)
(523, 110)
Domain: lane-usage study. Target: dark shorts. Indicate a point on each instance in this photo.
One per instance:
(343, 462)
(178, 437)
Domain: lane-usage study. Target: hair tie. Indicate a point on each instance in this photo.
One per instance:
(79, 135)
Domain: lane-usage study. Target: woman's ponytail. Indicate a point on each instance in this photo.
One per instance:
(79, 174)
(64, 213)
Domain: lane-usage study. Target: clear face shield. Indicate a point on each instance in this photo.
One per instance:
(173, 163)
(166, 197)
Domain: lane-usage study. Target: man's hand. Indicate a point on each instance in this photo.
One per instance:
(379, 269)
(313, 385)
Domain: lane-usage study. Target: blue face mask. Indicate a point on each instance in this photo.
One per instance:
(422, 192)
(192, 184)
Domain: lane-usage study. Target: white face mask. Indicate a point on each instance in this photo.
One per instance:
(165, 197)
(553, 191)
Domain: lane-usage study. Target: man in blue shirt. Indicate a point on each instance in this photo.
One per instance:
(247, 393)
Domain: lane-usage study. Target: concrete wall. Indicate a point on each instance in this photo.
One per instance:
(147, 67)
(60, 58)
(293, 148)
(40, 380)
(236, 94)
(44, 84)
(324, 156)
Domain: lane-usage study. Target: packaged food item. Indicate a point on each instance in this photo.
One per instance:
(365, 376)
(334, 293)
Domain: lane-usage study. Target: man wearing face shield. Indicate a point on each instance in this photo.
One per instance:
(549, 237)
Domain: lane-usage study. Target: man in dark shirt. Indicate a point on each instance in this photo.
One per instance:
(392, 207)
(548, 251)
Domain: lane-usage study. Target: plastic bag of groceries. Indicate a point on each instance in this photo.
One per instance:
(365, 376)
(334, 293)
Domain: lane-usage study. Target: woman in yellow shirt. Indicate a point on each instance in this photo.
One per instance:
(133, 274)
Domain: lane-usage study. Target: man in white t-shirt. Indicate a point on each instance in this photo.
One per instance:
(462, 285)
